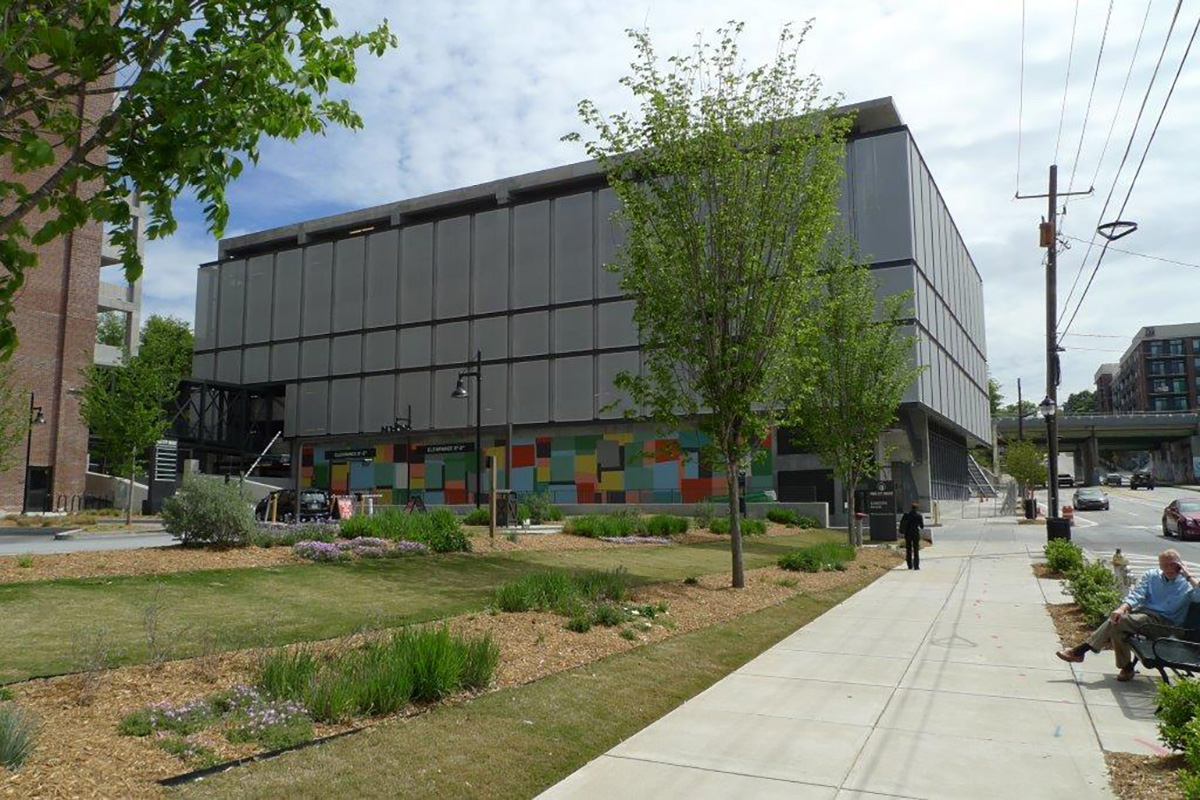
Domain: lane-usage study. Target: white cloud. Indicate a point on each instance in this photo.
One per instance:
(481, 90)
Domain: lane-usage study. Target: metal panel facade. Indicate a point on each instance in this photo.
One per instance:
(372, 322)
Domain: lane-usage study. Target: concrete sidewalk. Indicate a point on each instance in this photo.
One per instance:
(940, 683)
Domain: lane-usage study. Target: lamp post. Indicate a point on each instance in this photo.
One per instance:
(1049, 411)
(460, 392)
(36, 417)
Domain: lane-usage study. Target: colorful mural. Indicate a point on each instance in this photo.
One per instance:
(614, 467)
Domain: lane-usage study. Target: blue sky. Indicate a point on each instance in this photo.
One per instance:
(481, 90)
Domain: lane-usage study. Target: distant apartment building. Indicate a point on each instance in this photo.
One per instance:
(120, 296)
(1159, 372)
(1104, 386)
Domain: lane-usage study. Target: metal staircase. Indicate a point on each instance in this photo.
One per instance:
(983, 483)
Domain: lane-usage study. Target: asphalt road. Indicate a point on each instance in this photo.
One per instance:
(1134, 523)
(17, 541)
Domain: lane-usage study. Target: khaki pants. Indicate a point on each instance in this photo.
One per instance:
(1134, 622)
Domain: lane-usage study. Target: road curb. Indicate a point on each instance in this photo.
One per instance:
(78, 534)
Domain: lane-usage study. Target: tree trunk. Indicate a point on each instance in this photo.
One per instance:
(129, 499)
(851, 522)
(735, 525)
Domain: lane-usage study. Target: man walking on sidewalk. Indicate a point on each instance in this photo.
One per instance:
(911, 525)
(1155, 607)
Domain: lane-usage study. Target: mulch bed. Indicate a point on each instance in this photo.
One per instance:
(1144, 777)
(80, 754)
(1042, 570)
(1068, 621)
(146, 561)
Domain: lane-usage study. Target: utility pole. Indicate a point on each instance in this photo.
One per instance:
(1048, 238)
(1052, 341)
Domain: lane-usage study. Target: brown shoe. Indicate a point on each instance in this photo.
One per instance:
(1070, 655)
(1126, 674)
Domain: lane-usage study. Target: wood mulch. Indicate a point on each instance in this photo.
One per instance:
(146, 561)
(1135, 777)
(1069, 623)
(1042, 570)
(80, 753)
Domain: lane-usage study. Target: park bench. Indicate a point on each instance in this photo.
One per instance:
(1180, 654)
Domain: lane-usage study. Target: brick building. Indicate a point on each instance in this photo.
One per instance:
(1160, 371)
(55, 318)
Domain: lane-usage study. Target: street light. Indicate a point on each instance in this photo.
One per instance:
(1055, 527)
(1047, 408)
(460, 393)
(36, 417)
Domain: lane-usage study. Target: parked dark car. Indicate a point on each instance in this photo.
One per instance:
(1090, 498)
(1066, 479)
(1182, 518)
(315, 504)
(1141, 480)
(1114, 479)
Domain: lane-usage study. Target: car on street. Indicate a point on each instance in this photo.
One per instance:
(1090, 497)
(315, 504)
(1066, 479)
(1114, 479)
(1141, 479)
(1182, 518)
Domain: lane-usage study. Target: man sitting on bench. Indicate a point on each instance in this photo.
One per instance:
(1155, 607)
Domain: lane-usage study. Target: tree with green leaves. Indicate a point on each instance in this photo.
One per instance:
(728, 181)
(1082, 402)
(14, 419)
(1026, 408)
(110, 328)
(167, 343)
(865, 366)
(102, 99)
(1025, 461)
(995, 396)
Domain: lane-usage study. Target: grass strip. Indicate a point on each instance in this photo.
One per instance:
(74, 624)
(518, 742)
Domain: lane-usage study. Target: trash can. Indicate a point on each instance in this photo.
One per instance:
(1058, 528)
(1030, 508)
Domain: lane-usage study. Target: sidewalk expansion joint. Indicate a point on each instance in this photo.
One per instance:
(719, 771)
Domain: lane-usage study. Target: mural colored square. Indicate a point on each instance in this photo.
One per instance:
(383, 452)
(524, 455)
(562, 467)
(585, 444)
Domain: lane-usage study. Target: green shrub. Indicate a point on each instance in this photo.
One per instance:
(383, 675)
(629, 633)
(289, 731)
(18, 733)
(691, 580)
(136, 723)
(704, 514)
(478, 516)
(1189, 784)
(287, 672)
(608, 615)
(783, 516)
(816, 557)
(537, 508)
(750, 527)
(196, 755)
(800, 561)
(288, 535)
(595, 526)
(1095, 590)
(440, 529)
(579, 624)
(666, 525)
(209, 511)
(5, 694)
(1178, 704)
(562, 592)
(806, 522)
(1063, 556)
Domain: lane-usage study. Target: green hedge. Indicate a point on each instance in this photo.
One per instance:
(750, 527)
(1095, 590)
(817, 557)
(1063, 556)
(791, 518)
(439, 529)
(1179, 728)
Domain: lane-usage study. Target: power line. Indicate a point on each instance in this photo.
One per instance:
(1021, 98)
(1125, 157)
(1098, 335)
(1091, 93)
(1141, 162)
(1139, 255)
(1066, 83)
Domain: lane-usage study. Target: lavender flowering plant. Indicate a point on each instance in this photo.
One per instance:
(319, 551)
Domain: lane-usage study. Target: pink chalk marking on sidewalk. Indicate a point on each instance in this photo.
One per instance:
(1154, 748)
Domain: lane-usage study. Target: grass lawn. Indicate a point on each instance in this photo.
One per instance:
(518, 742)
(54, 626)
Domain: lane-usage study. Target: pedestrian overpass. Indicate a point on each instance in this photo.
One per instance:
(1172, 439)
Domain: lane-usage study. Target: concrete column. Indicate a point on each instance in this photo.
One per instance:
(1091, 461)
(1194, 461)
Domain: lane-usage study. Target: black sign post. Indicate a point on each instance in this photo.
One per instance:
(881, 506)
